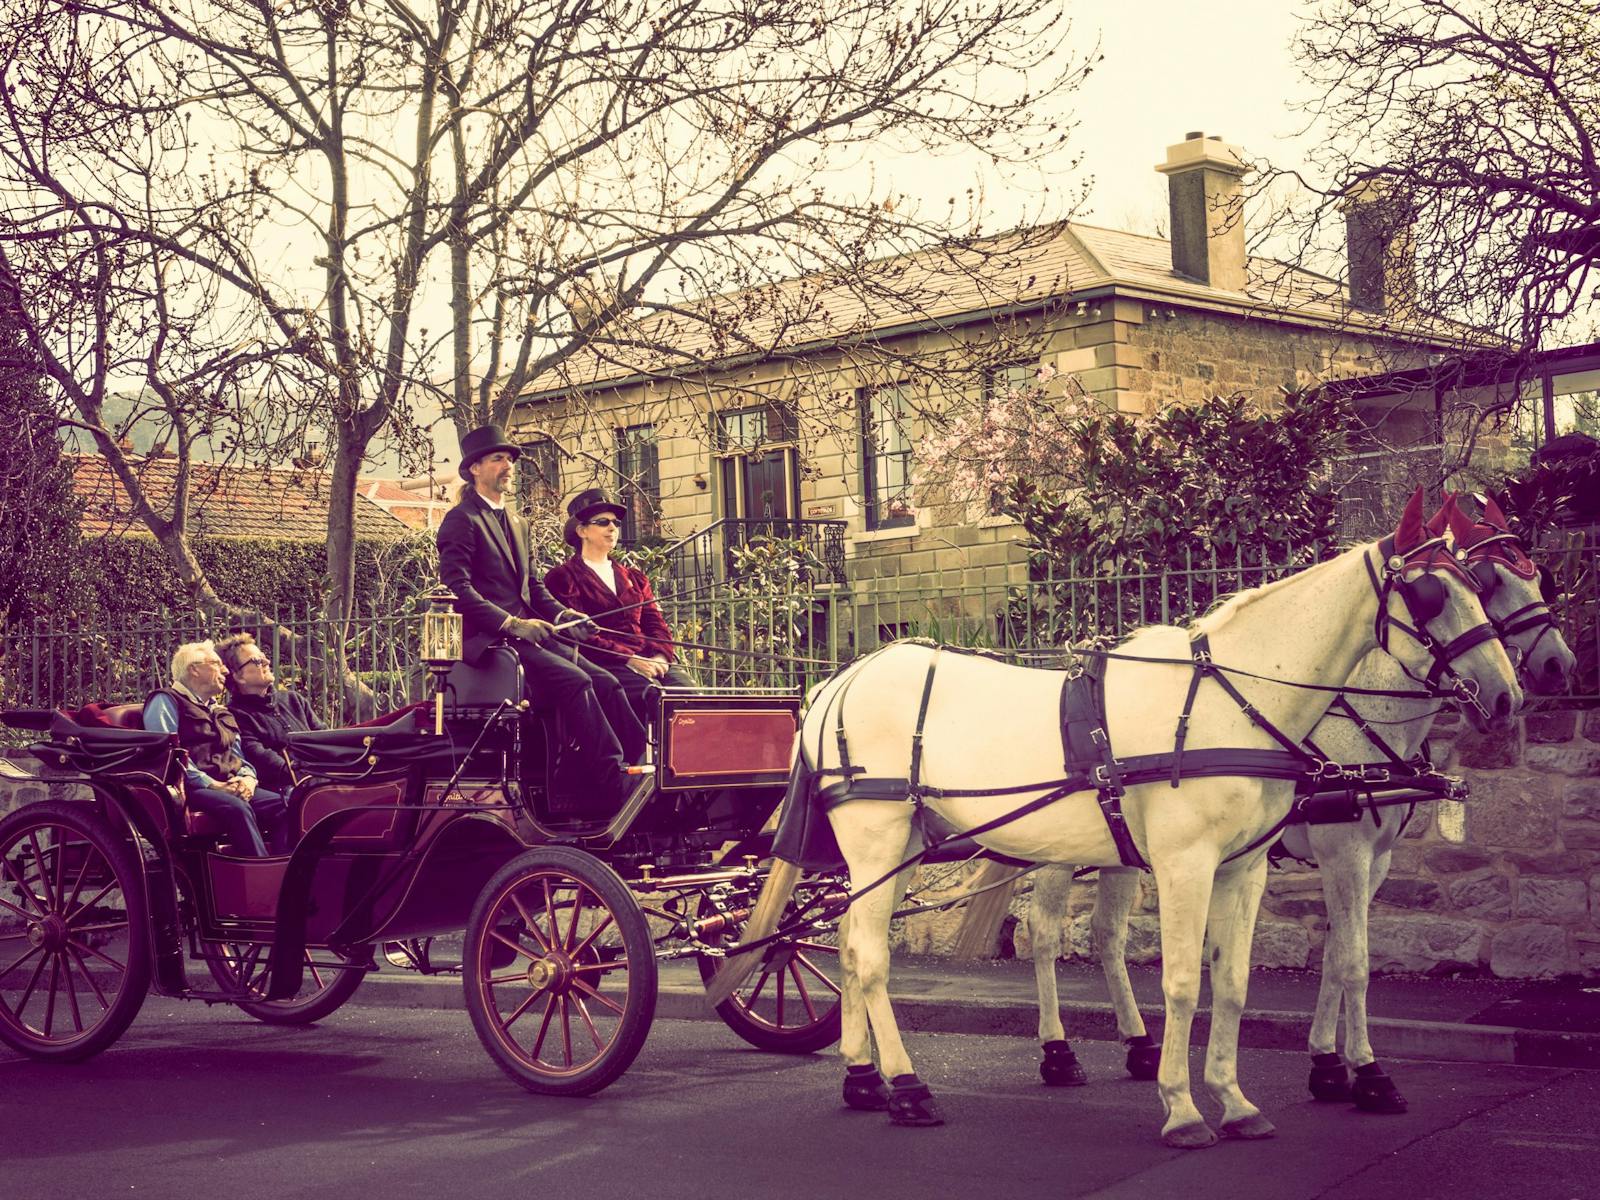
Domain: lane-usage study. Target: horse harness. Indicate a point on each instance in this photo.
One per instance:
(1326, 792)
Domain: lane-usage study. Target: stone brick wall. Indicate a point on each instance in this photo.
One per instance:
(1507, 883)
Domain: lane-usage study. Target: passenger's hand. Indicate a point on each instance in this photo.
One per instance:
(247, 785)
(643, 666)
(531, 629)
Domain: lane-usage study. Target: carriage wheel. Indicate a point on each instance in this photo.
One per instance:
(241, 966)
(74, 938)
(790, 1003)
(560, 972)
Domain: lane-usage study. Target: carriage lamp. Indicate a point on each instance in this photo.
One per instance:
(441, 645)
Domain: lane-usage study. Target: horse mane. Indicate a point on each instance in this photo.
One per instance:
(1224, 610)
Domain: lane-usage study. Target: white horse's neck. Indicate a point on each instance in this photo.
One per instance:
(1312, 627)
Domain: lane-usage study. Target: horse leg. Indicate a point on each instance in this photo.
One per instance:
(1344, 859)
(873, 845)
(1235, 900)
(1113, 903)
(1052, 888)
(1185, 887)
(1372, 1090)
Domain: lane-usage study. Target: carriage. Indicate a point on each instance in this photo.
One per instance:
(441, 818)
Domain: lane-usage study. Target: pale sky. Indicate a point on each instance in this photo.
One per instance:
(1169, 67)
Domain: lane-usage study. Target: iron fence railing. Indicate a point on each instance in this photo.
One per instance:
(777, 640)
(708, 556)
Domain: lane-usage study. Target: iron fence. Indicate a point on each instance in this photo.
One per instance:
(371, 664)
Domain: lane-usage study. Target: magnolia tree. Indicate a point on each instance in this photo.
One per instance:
(305, 221)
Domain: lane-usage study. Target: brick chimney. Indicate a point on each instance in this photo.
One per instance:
(1207, 210)
(1379, 233)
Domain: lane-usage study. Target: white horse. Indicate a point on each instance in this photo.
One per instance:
(984, 728)
(1353, 857)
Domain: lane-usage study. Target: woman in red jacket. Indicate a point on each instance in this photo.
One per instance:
(633, 641)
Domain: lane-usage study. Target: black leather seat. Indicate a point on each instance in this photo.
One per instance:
(495, 678)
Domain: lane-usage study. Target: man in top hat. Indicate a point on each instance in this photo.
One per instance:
(484, 559)
(633, 640)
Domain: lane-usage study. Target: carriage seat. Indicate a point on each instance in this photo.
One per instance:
(495, 677)
(111, 716)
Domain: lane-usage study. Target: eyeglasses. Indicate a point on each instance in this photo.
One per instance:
(260, 660)
(607, 522)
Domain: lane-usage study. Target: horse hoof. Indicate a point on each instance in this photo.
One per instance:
(911, 1102)
(1374, 1092)
(1190, 1137)
(1249, 1128)
(1329, 1079)
(1060, 1067)
(1144, 1057)
(864, 1089)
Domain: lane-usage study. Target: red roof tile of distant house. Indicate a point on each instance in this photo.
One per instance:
(224, 501)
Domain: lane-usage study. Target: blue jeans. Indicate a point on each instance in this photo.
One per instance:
(241, 820)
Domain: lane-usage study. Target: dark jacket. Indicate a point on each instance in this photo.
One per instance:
(266, 723)
(210, 735)
(489, 576)
(638, 630)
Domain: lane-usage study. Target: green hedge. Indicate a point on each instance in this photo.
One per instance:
(131, 575)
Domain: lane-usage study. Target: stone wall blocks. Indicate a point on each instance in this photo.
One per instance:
(1514, 810)
(1591, 725)
(1580, 835)
(1280, 944)
(1484, 896)
(1551, 899)
(1575, 758)
(1489, 751)
(1530, 951)
(1418, 943)
(1455, 860)
(1551, 727)
(1401, 892)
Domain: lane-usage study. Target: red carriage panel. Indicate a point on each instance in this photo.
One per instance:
(727, 741)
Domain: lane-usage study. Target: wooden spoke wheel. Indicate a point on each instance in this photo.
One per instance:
(790, 1003)
(74, 938)
(560, 972)
(246, 966)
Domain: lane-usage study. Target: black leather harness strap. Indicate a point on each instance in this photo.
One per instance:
(922, 717)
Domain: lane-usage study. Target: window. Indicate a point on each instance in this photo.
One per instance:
(639, 463)
(742, 430)
(538, 476)
(886, 457)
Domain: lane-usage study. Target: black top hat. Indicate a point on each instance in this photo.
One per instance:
(594, 500)
(485, 439)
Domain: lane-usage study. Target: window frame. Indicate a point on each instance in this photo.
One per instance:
(873, 458)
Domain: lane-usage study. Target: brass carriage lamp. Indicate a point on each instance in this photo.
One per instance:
(441, 644)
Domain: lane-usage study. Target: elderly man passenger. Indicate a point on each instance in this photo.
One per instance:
(218, 781)
(267, 714)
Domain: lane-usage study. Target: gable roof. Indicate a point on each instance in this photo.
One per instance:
(1008, 274)
(224, 501)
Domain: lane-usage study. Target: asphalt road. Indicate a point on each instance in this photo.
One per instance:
(392, 1103)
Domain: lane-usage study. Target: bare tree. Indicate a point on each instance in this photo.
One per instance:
(357, 205)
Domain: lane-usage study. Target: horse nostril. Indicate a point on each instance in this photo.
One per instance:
(1502, 705)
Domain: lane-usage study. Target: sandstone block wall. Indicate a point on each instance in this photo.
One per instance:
(1507, 883)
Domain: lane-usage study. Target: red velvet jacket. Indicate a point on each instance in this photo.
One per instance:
(640, 630)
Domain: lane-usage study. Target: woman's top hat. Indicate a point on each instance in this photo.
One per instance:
(587, 504)
(485, 439)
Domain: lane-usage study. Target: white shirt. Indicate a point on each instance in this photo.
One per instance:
(606, 570)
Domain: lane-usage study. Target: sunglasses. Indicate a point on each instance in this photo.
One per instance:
(607, 522)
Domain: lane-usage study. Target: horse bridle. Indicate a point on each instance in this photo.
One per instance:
(1480, 561)
(1424, 598)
